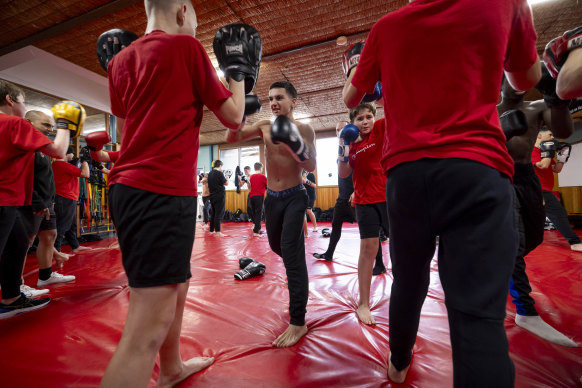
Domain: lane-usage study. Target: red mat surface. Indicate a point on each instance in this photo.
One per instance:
(70, 342)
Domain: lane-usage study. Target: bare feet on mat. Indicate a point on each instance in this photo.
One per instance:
(81, 248)
(220, 234)
(189, 367)
(536, 325)
(395, 375)
(576, 247)
(114, 246)
(365, 315)
(291, 336)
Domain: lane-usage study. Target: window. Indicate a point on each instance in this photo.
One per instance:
(243, 156)
(326, 149)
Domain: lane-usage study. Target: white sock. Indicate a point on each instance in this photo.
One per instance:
(539, 327)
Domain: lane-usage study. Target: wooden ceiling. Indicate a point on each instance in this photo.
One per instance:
(298, 40)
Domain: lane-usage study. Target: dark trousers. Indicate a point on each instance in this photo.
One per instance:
(559, 217)
(71, 234)
(206, 208)
(284, 223)
(470, 207)
(216, 211)
(342, 212)
(65, 210)
(530, 210)
(257, 212)
(13, 248)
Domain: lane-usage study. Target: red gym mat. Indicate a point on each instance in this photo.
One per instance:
(69, 343)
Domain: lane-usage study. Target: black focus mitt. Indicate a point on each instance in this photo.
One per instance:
(239, 49)
(513, 123)
(111, 42)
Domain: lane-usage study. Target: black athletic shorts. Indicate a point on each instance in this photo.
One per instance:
(156, 235)
(371, 217)
(33, 223)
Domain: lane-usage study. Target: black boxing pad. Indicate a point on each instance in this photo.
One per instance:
(111, 42)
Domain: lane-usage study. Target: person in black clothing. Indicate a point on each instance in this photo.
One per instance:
(216, 183)
(309, 183)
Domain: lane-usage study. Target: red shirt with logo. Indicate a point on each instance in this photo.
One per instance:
(258, 185)
(66, 179)
(368, 176)
(18, 141)
(160, 85)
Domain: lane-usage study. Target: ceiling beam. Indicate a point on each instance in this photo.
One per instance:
(69, 24)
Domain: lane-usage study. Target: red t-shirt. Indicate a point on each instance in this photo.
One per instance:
(546, 175)
(160, 85)
(66, 179)
(18, 141)
(258, 185)
(369, 179)
(440, 63)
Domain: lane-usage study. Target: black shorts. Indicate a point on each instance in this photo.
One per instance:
(371, 217)
(156, 235)
(310, 202)
(33, 223)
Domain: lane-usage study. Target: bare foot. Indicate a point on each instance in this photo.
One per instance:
(365, 315)
(81, 248)
(576, 247)
(539, 327)
(114, 246)
(395, 375)
(189, 367)
(60, 258)
(291, 336)
(220, 234)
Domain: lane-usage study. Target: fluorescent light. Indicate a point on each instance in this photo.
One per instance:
(532, 2)
(306, 120)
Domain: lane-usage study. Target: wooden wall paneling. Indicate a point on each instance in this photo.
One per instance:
(572, 198)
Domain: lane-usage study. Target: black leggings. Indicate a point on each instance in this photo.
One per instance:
(530, 210)
(205, 208)
(13, 247)
(342, 212)
(216, 211)
(559, 217)
(284, 222)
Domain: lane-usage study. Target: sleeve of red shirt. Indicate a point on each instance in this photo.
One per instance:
(113, 156)
(117, 107)
(71, 170)
(536, 155)
(521, 47)
(27, 138)
(368, 70)
(206, 84)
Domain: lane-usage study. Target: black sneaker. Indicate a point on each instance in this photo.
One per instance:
(22, 305)
(378, 270)
(322, 256)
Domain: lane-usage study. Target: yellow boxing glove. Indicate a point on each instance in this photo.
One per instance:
(69, 115)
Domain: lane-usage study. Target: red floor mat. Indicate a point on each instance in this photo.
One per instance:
(70, 342)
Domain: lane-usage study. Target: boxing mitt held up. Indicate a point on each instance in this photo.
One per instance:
(564, 150)
(352, 57)
(255, 268)
(547, 87)
(69, 115)
(238, 49)
(557, 50)
(111, 42)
